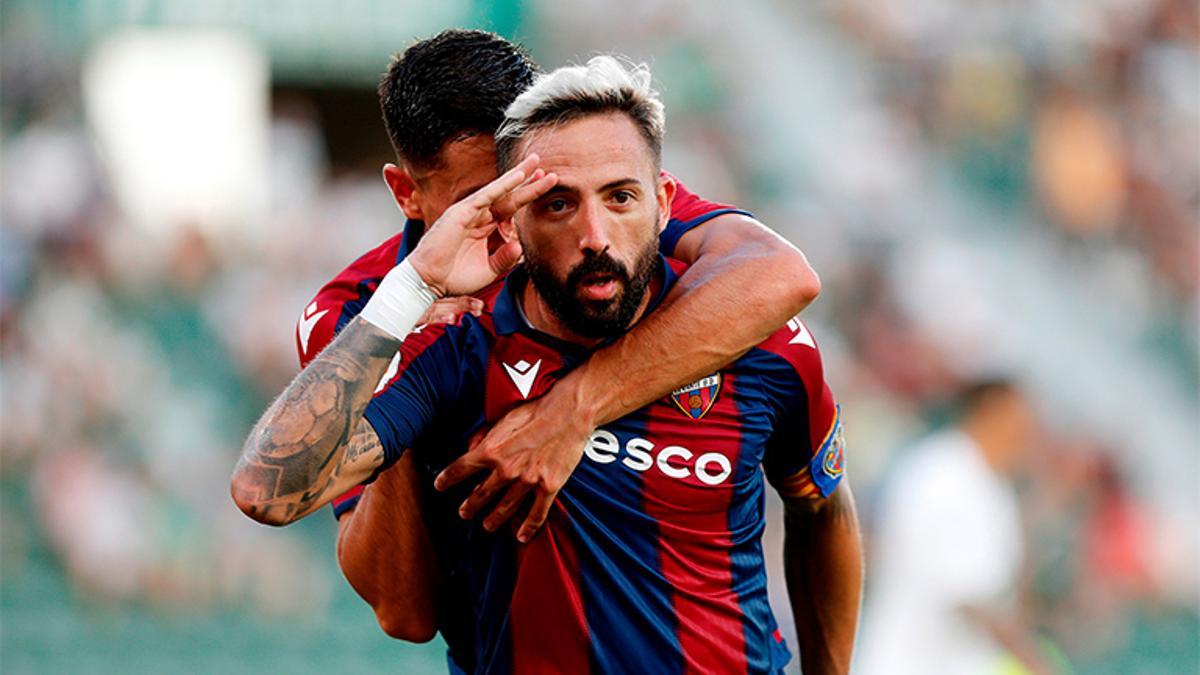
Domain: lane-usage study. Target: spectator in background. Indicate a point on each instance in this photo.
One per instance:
(948, 547)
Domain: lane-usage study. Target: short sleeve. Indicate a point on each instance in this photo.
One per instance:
(688, 211)
(804, 457)
(343, 297)
(421, 378)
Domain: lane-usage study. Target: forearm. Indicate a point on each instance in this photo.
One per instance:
(824, 568)
(739, 290)
(386, 554)
(295, 459)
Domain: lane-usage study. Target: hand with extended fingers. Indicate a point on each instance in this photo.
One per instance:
(453, 256)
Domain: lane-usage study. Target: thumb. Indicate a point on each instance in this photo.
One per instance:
(505, 257)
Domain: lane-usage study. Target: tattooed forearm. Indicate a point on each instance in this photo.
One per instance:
(312, 442)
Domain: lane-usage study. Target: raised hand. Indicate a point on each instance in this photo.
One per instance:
(453, 257)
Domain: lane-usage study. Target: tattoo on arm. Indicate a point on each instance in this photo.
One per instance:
(312, 442)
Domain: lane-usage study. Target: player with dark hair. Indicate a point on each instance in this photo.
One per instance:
(651, 559)
(442, 99)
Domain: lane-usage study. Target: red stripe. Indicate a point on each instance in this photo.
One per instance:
(694, 535)
(806, 361)
(344, 288)
(687, 205)
(352, 493)
(547, 625)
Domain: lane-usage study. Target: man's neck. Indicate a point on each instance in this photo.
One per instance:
(542, 318)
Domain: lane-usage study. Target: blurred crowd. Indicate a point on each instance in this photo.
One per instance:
(969, 178)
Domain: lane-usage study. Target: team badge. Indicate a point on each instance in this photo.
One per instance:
(696, 399)
(834, 463)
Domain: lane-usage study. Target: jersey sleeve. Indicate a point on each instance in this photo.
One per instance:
(344, 296)
(421, 380)
(688, 211)
(419, 377)
(804, 456)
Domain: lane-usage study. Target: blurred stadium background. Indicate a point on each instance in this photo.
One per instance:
(982, 185)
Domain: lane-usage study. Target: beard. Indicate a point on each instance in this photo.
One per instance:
(595, 318)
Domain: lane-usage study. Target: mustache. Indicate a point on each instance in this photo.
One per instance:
(598, 263)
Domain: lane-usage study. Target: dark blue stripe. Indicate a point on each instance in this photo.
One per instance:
(340, 509)
(675, 229)
(747, 520)
(413, 229)
(365, 288)
(633, 629)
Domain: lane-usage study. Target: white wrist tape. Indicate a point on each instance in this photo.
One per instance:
(399, 301)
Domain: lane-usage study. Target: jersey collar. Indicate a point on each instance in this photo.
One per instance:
(413, 229)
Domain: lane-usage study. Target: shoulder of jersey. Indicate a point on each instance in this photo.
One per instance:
(795, 344)
(352, 286)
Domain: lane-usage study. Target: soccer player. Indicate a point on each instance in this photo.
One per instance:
(948, 547)
(651, 560)
(442, 99)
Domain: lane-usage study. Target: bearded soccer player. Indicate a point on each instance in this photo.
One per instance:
(651, 560)
(441, 100)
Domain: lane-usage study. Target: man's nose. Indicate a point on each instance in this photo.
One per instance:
(593, 233)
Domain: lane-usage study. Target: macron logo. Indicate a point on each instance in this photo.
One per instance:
(523, 374)
(308, 321)
(802, 336)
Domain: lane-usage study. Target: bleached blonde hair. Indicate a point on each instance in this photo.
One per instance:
(603, 85)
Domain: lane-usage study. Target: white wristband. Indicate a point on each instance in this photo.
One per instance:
(399, 302)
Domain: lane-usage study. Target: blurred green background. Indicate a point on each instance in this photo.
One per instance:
(983, 186)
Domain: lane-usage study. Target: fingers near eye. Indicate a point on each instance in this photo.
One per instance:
(507, 181)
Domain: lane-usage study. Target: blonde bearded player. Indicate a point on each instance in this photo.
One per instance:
(442, 99)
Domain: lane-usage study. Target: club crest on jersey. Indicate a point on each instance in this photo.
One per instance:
(696, 399)
(834, 463)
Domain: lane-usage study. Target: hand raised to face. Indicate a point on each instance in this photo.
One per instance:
(453, 258)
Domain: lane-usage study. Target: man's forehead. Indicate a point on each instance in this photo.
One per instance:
(467, 159)
(603, 148)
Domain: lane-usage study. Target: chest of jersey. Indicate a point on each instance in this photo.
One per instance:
(686, 455)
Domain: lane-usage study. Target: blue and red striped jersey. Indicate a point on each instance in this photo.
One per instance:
(651, 560)
(343, 297)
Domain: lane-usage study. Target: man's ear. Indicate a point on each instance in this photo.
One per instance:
(666, 195)
(404, 190)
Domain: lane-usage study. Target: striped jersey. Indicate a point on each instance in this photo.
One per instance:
(651, 559)
(343, 297)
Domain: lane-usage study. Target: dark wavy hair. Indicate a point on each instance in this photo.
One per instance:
(451, 86)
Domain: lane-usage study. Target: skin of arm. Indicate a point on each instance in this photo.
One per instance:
(386, 554)
(312, 443)
(744, 282)
(383, 546)
(823, 563)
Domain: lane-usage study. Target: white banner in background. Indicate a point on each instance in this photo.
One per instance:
(181, 118)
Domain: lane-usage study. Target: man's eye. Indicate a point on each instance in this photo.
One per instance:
(556, 205)
(622, 196)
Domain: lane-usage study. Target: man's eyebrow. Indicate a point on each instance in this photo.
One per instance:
(558, 190)
(620, 182)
